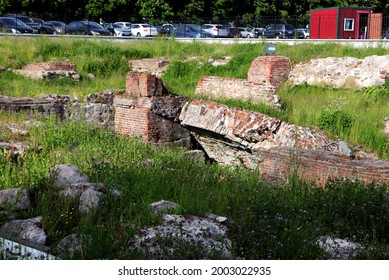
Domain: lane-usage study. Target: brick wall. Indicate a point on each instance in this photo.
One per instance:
(270, 69)
(143, 84)
(232, 88)
(132, 117)
(265, 75)
(318, 166)
(51, 66)
(146, 110)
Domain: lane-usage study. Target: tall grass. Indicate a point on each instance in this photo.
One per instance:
(265, 220)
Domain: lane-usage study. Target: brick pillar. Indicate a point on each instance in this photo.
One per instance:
(143, 84)
(139, 112)
(270, 69)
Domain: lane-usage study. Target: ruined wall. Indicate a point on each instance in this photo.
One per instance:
(238, 137)
(143, 84)
(266, 73)
(146, 110)
(45, 70)
(151, 65)
(342, 72)
(319, 167)
(233, 88)
(270, 69)
(51, 66)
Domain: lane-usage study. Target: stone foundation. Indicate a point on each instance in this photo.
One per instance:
(46, 70)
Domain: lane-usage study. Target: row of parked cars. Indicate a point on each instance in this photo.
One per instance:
(15, 23)
(284, 31)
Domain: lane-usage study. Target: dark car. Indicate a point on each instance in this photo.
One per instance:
(233, 32)
(385, 34)
(302, 33)
(40, 27)
(190, 31)
(12, 25)
(59, 26)
(259, 32)
(86, 28)
(277, 31)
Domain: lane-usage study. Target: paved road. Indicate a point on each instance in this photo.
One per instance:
(357, 43)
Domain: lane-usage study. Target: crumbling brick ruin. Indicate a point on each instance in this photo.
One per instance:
(265, 75)
(146, 110)
(228, 135)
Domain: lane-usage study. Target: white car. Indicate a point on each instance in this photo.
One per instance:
(123, 24)
(118, 30)
(217, 30)
(143, 30)
(246, 32)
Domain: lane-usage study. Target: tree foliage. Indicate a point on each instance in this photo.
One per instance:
(164, 9)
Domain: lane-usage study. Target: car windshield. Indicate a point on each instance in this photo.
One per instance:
(195, 28)
(146, 25)
(57, 23)
(94, 25)
(13, 21)
(25, 19)
(8, 21)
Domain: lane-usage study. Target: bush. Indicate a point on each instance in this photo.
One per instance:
(335, 121)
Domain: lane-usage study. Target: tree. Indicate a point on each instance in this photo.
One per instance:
(194, 9)
(155, 9)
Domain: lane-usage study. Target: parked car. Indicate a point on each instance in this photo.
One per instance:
(233, 32)
(40, 27)
(15, 26)
(165, 30)
(190, 31)
(217, 30)
(59, 26)
(279, 31)
(259, 32)
(302, 33)
(118, 30)
(123, 24)
(143, 30)
(246, 32)
(86, 28)
(385, 34)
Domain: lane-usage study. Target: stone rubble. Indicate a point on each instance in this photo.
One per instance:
(342, 72)
(178, 234)
(338, 249)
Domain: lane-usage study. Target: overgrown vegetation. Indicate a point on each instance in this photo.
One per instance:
(265, 220)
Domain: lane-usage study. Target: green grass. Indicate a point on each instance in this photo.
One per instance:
(266, 220)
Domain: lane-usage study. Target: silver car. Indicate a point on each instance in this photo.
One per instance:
(246, 32)
(217, 30)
